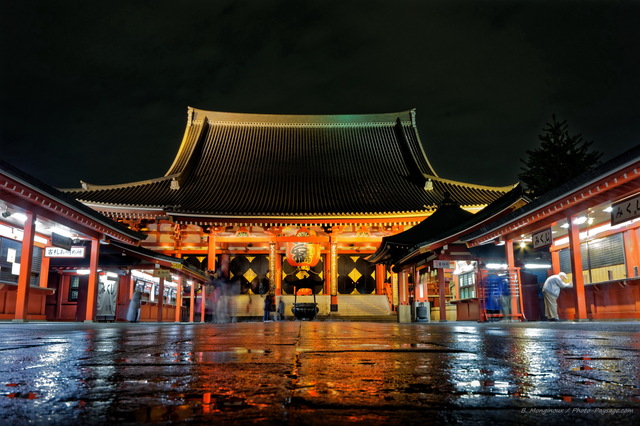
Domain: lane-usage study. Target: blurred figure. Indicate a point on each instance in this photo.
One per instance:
(133, 313)
(267, 308)
(280, 310)
(224, 292)
(505, 297)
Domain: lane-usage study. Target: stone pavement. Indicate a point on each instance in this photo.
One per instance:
(315, 373)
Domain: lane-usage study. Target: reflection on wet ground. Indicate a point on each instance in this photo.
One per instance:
(320, 373)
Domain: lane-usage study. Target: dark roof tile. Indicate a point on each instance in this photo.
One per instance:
(251, 165)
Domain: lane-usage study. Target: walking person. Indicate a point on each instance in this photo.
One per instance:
(551, 291)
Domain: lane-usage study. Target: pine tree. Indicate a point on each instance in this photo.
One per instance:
(559, 158)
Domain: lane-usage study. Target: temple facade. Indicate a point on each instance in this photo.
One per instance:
(292, 200)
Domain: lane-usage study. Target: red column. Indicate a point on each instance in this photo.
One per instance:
(160, 299)
(275, 267)
(381, 275)
(576, 270)
(516, 303)
(403, 288)
(508, 251)
(442, 298)
(26, 260)
(192, 301)
(44, 271)
(203, 294)
(632, 251)
(92, 290)
(179, 288)
(211, 252)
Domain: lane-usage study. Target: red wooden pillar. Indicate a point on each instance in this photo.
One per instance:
(132, 285)
(555, 263)
(275, 268)
(211, 252)
(44, 271)
(403, 288)
(180, 286)
(203, 294)
(381, 275)
(516, 302)
(92, 289)
(160, 299)
(508, 251)
(442, 299)
(333, 276)
(632, 252)
(26, 260)
(576, 270)
(192, 301)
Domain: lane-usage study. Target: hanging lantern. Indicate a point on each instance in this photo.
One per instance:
(303, 253)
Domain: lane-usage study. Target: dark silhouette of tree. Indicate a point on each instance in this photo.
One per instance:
(560, 158)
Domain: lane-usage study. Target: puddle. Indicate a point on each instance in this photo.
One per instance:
(194, 405)
(587, 358)
(23, 395)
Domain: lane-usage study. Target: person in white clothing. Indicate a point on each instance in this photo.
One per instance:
(551, 291)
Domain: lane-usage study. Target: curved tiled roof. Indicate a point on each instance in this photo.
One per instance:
(449, 220)
(257, 165)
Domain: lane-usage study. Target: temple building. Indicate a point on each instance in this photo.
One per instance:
(491, 265)
(62, 261)
(298, 200)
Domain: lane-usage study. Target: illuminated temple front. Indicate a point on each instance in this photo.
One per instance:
(302, 200)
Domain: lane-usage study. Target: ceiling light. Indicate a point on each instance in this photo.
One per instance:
(580, 220)
(537, 266)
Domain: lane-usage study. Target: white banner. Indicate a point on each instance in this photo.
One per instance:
(60, 252)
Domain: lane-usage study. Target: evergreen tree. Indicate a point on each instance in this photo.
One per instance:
(559, 158)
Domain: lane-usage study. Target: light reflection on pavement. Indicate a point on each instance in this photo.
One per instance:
(320, 373)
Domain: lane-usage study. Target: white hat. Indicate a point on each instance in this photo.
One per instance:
(562, 275)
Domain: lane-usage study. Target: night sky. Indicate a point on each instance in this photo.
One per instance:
(99, 91)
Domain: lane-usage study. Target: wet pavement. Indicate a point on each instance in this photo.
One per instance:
(311, 373)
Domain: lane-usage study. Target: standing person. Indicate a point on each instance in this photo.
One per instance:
(551, 291)
(267, 308)
(281, 310)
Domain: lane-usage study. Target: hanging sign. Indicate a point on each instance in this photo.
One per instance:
(623, 211)
(443, 264)
(303, 253)
(162, 273)
(76, 251)
(542, 238)
(61, 241)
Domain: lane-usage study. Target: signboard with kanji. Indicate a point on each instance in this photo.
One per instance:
(443, 264)
(542, 238)
(78, 252)
(623, 211)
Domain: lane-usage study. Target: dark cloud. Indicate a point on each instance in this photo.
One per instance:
(99, 92)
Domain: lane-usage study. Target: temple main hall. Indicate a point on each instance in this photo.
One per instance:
(298, 201)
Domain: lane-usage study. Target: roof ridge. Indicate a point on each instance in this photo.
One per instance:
(472, 185)
(92, 187)
(237, 118)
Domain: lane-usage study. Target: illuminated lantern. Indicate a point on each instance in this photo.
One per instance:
(303, 253)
